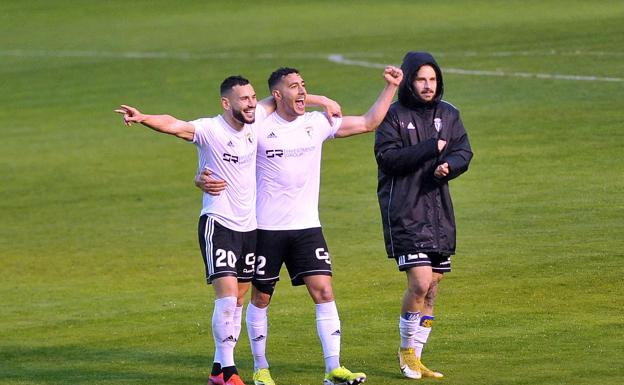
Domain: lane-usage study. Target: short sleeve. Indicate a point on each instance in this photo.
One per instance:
(336, 122)
(200, 137)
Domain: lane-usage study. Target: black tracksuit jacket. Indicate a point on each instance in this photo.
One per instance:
(416, 208)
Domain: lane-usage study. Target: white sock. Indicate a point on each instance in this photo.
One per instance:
(408, 324)
(257, 329)
(223, 330)
(238, 317)
(422, 333)
(328, 328)
(238, 320)
(216, 359)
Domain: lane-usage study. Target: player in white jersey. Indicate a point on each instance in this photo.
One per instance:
(227, 145)
(289, 231)
(227, 227)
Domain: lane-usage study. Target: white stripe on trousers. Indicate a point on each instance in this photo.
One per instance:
(208, 232)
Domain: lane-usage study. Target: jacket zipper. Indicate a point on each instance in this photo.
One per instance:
(437, 191)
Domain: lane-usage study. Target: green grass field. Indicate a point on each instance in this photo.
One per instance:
(102, 281)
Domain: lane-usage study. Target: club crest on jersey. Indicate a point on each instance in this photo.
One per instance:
(437, 123)
(309, 130)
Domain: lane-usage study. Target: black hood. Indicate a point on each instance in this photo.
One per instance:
(411, 63)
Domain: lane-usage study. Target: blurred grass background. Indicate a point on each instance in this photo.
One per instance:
(102, 280)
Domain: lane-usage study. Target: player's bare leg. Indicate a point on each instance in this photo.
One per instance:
(416, 320)
(328, 328)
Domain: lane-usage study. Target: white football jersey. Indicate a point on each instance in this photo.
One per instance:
(231, 155)
(289, 170)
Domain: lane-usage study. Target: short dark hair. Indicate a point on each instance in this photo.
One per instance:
(232, 81)
(278, 74)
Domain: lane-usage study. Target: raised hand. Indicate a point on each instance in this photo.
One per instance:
(393, 75)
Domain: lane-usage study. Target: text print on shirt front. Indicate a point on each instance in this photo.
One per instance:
(238, 159)
(289, 153)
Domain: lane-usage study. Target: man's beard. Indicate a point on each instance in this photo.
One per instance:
(424, 95)
(238, 115)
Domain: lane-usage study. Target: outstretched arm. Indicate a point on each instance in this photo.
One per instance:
(166, 124)
(353, 125)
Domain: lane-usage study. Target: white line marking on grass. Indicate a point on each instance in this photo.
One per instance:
(226, 55)
(229, 55)
(340, 59)
(551, 52)
(335, 58)
(169, 55)
(154, 55)
(119, 55)
(531, 75)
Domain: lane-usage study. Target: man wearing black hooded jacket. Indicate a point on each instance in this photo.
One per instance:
(420, 146)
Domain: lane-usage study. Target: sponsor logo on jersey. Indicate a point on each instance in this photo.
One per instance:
(274, 153)
(239, 159)
(410, 126)
(437, 123)
(272, 135)
(230, 158)
(290, 152)
(230, 144)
